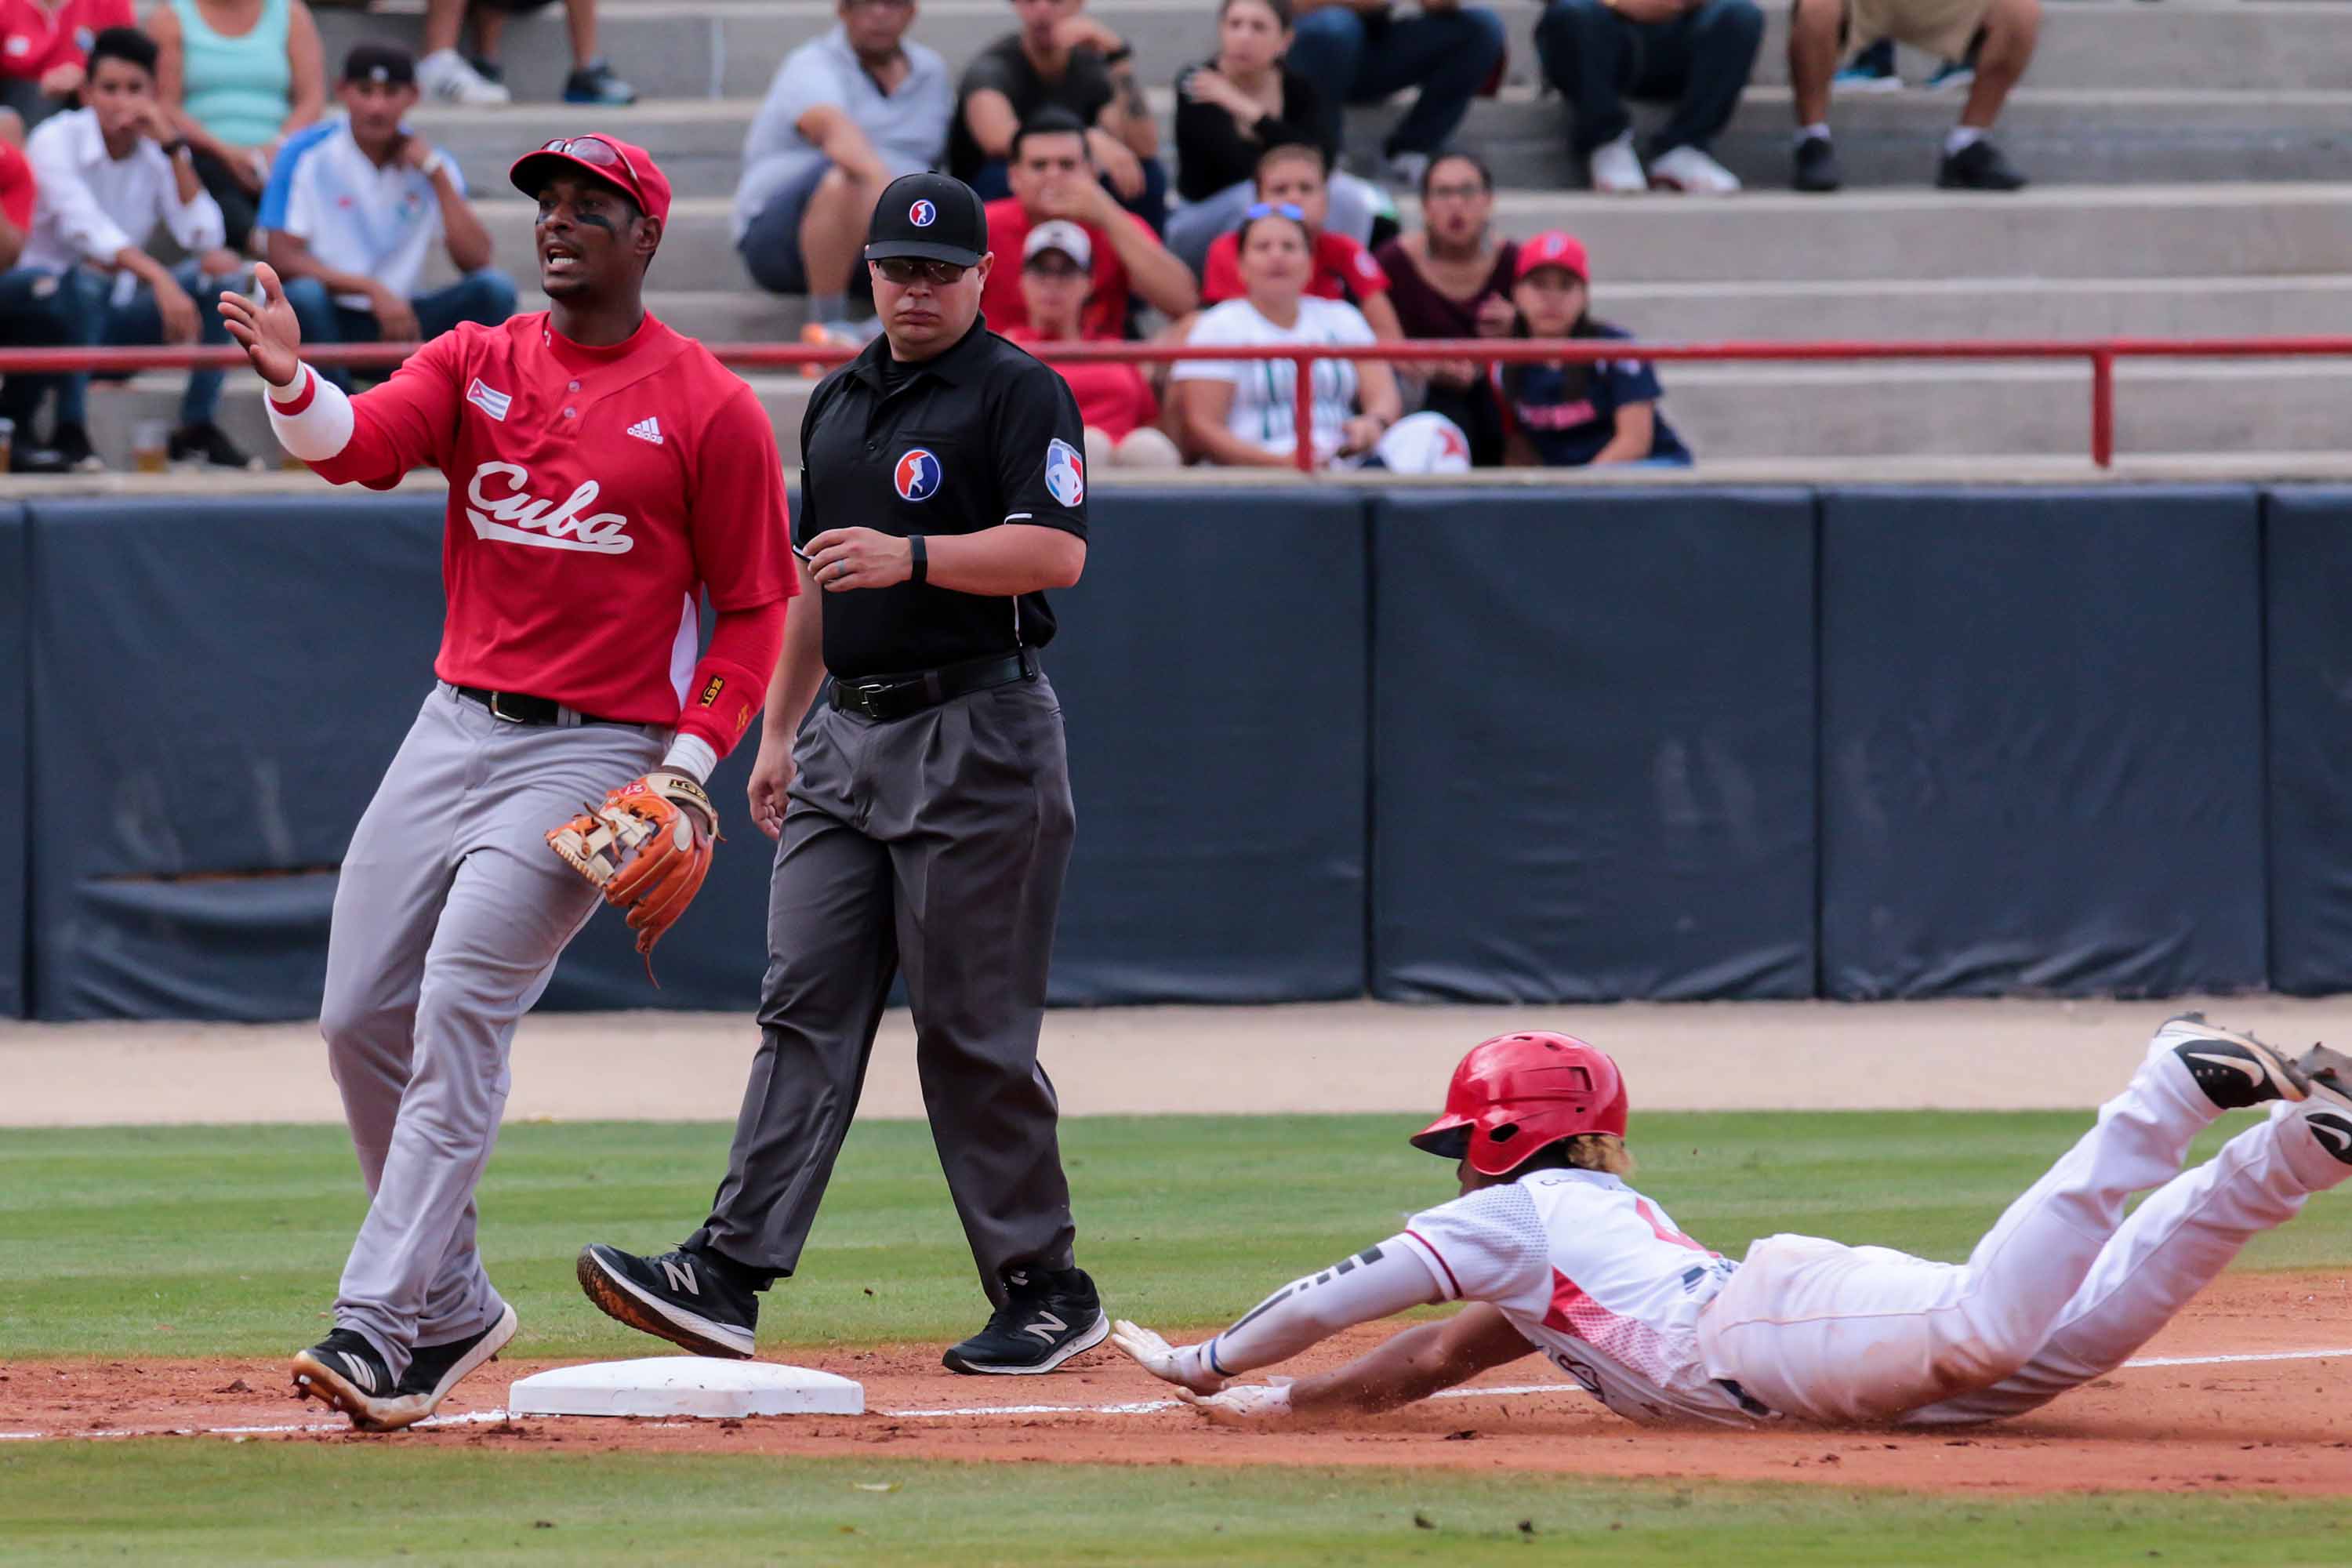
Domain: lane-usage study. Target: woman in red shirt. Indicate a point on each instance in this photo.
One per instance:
(1121, 414)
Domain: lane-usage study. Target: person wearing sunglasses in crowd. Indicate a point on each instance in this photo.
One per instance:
(923, 807)
(1244, 412)
(604, 475)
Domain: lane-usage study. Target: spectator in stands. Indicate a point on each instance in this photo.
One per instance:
(1115, 401)
(1999, 33)
(240, 76)
(1053, 178)
(1873, 70)
(1567, 415)
(1243, 413)
(1452, 279)
(1061, 58)
(475, 78)
(1343, 269)
(1229, 111)
(1695, 54)
(363, 211)
(1360, 51)
(34, 310)
(45, 51)
(108, 175)
(848, 113)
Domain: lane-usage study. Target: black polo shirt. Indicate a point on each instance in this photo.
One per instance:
(979, 436)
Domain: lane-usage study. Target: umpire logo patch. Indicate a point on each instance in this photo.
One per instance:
(918, 476)
(1065, 472)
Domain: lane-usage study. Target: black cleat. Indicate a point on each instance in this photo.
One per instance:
(435, 1370)
(2327, 1075)
(1047, 1318)
(1817, 166)
(1979, 166)
(678, 1296)
(343, 1370)
(2235, 1070)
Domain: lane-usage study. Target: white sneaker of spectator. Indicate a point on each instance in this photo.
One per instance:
(1692, 172)
(1616, 168)
(446, 75)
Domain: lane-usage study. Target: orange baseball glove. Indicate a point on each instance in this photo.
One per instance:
(648, 847)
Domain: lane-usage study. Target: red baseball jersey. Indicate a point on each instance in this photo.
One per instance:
(32, 39)
(17, 189)
(1343, 270)
(1000, 297)
(591, 492)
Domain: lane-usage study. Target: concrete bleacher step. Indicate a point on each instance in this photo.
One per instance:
(2203, 230)
(698, 49)
(2077, 137)
(2010, 308)
(1764, 410)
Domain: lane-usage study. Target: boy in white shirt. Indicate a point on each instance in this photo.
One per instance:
(364, 209)
(107, 175)
(1560, 1255)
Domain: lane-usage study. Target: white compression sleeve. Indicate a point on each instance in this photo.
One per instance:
(691, 755)
(1378, 1282)
(319, 425)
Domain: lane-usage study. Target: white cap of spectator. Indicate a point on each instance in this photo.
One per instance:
(1062, 234)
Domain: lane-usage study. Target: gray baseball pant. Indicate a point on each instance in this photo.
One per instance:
(935, 842)
(449, 915)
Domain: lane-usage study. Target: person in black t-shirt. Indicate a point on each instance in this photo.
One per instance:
(1233, 109)
(1064, 57)
(923, 806)
(1452, 279)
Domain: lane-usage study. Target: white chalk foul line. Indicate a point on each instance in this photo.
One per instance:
(1129, 1407)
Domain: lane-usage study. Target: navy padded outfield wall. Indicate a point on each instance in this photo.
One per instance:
(2040, 742)
(1592, 742)
(16, 762)
(2309, 626)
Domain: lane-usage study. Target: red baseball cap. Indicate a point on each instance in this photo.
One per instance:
(631, 170)
(1553, 247)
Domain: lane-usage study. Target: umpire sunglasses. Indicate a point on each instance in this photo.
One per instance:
(905, 270)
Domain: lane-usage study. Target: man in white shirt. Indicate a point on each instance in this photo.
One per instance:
(107, 175)
(847, 114)
(364, 209)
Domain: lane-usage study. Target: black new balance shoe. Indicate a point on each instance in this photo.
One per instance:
(1048, 1318)
(679, 1297)
(435, 1370)
(344, 1371)
(2235, 1070)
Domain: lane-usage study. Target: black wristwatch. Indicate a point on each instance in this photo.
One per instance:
(919, 559)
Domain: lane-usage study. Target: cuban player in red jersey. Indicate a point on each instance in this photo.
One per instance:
(1558, 1255)
(603, 471)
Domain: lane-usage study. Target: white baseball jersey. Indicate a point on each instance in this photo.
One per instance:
(1598, 1278)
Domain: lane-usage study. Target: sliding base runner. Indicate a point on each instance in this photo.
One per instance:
(604, 473)
(1558, 1255)
(924, 810)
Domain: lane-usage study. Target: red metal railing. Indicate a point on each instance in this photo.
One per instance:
(2100, 354)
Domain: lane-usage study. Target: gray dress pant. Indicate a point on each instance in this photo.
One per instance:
(934, 843)
(449, 915)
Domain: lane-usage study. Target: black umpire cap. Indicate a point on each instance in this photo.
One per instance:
(935, 216)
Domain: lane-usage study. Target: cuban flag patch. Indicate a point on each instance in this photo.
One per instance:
(1065, 472)
(492, 403)
(918, 475)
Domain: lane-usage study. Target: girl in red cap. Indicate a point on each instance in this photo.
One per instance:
(1564, 415)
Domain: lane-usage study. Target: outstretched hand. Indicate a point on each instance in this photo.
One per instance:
(1163, 1360)
(271, 335)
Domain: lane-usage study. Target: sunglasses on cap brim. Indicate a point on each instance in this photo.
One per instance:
(1290, 210)
(906, 269)
(599, 153)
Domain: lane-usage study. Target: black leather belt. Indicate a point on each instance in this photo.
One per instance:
(516, 709)
(887, 697)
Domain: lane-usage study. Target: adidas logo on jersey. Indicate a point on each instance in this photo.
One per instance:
(647, 429)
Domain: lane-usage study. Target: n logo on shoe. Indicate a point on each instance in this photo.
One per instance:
(1046, 1327)
(680, 1277)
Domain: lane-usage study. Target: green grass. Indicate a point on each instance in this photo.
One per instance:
(193, 1503)
(227, 1241)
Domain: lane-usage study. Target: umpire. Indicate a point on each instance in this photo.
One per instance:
(924, 811)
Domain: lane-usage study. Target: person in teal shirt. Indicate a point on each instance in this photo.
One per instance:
(240, 76)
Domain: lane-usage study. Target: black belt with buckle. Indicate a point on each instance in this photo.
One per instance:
(516, 709)
(888, 697)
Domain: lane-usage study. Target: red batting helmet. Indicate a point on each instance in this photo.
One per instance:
(1515, 1094)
